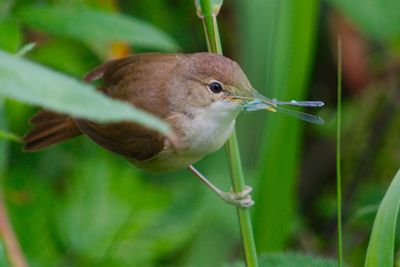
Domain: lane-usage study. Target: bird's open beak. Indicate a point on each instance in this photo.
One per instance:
(267, 104)
(255, 101)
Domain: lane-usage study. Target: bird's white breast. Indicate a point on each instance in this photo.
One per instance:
(208, 128)
(204, 130)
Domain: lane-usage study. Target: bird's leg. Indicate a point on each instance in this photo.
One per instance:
(241, 199)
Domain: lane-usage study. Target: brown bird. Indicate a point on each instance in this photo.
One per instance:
(199, 95)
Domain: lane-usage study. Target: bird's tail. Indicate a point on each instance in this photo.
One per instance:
(49, 128)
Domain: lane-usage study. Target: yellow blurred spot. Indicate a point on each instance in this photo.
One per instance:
(118, 50)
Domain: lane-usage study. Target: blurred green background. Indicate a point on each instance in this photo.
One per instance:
(75, 204)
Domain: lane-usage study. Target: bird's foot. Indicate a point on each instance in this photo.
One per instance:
(240, 199)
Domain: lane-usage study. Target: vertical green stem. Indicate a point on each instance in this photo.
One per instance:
(246, 229)
(338, 151)
(232, 149)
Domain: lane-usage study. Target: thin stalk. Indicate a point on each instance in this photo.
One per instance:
(210, 24)
(246, 228)
(338, 152)
(7, 235)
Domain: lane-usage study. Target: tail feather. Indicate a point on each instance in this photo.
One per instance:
(49, 128)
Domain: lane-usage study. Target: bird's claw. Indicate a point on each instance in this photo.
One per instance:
(240, 199)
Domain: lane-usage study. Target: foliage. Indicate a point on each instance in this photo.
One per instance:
(289, 259)
(285, 57)
(381, 245)
(293, 260)
(95, 26)
(34, 84)
(77, 205)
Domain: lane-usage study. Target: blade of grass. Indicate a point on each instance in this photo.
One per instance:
(381, 245)
(338, 153)
(208, 12)
(282, 34)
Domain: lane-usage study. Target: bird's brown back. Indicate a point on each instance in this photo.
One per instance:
(139, 80)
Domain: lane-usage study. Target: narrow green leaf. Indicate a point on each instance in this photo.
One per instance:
(93, 25)
(9, 136)
(34, 84)
(279, 56)
(338, 154)
(380, 250)
(289, 259)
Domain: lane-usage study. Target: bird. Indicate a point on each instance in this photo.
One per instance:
(199, 95)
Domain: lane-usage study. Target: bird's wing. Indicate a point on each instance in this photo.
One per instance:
(139, 80)
(126, 138)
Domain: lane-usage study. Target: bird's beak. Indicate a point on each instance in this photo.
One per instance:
(255, 101)
(251, 100)
(267, 103)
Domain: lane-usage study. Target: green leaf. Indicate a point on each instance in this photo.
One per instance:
(9, 136)
(379, 19)
(94, 25)
(34, 84)
(289, 259)
(381, 244)
(294, 260)
(278, 57)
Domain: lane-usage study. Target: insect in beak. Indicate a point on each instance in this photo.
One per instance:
(260, 102)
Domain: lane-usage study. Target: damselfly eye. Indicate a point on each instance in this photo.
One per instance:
(215, 87)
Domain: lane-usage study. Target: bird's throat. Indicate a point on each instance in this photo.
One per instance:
(207, 129)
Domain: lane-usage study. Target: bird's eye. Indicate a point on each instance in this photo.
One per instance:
(215, 87)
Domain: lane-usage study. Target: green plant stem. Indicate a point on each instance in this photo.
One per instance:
(246, 228)
(211, 27)
(9, 136)
(232, 149)
(338, 152)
